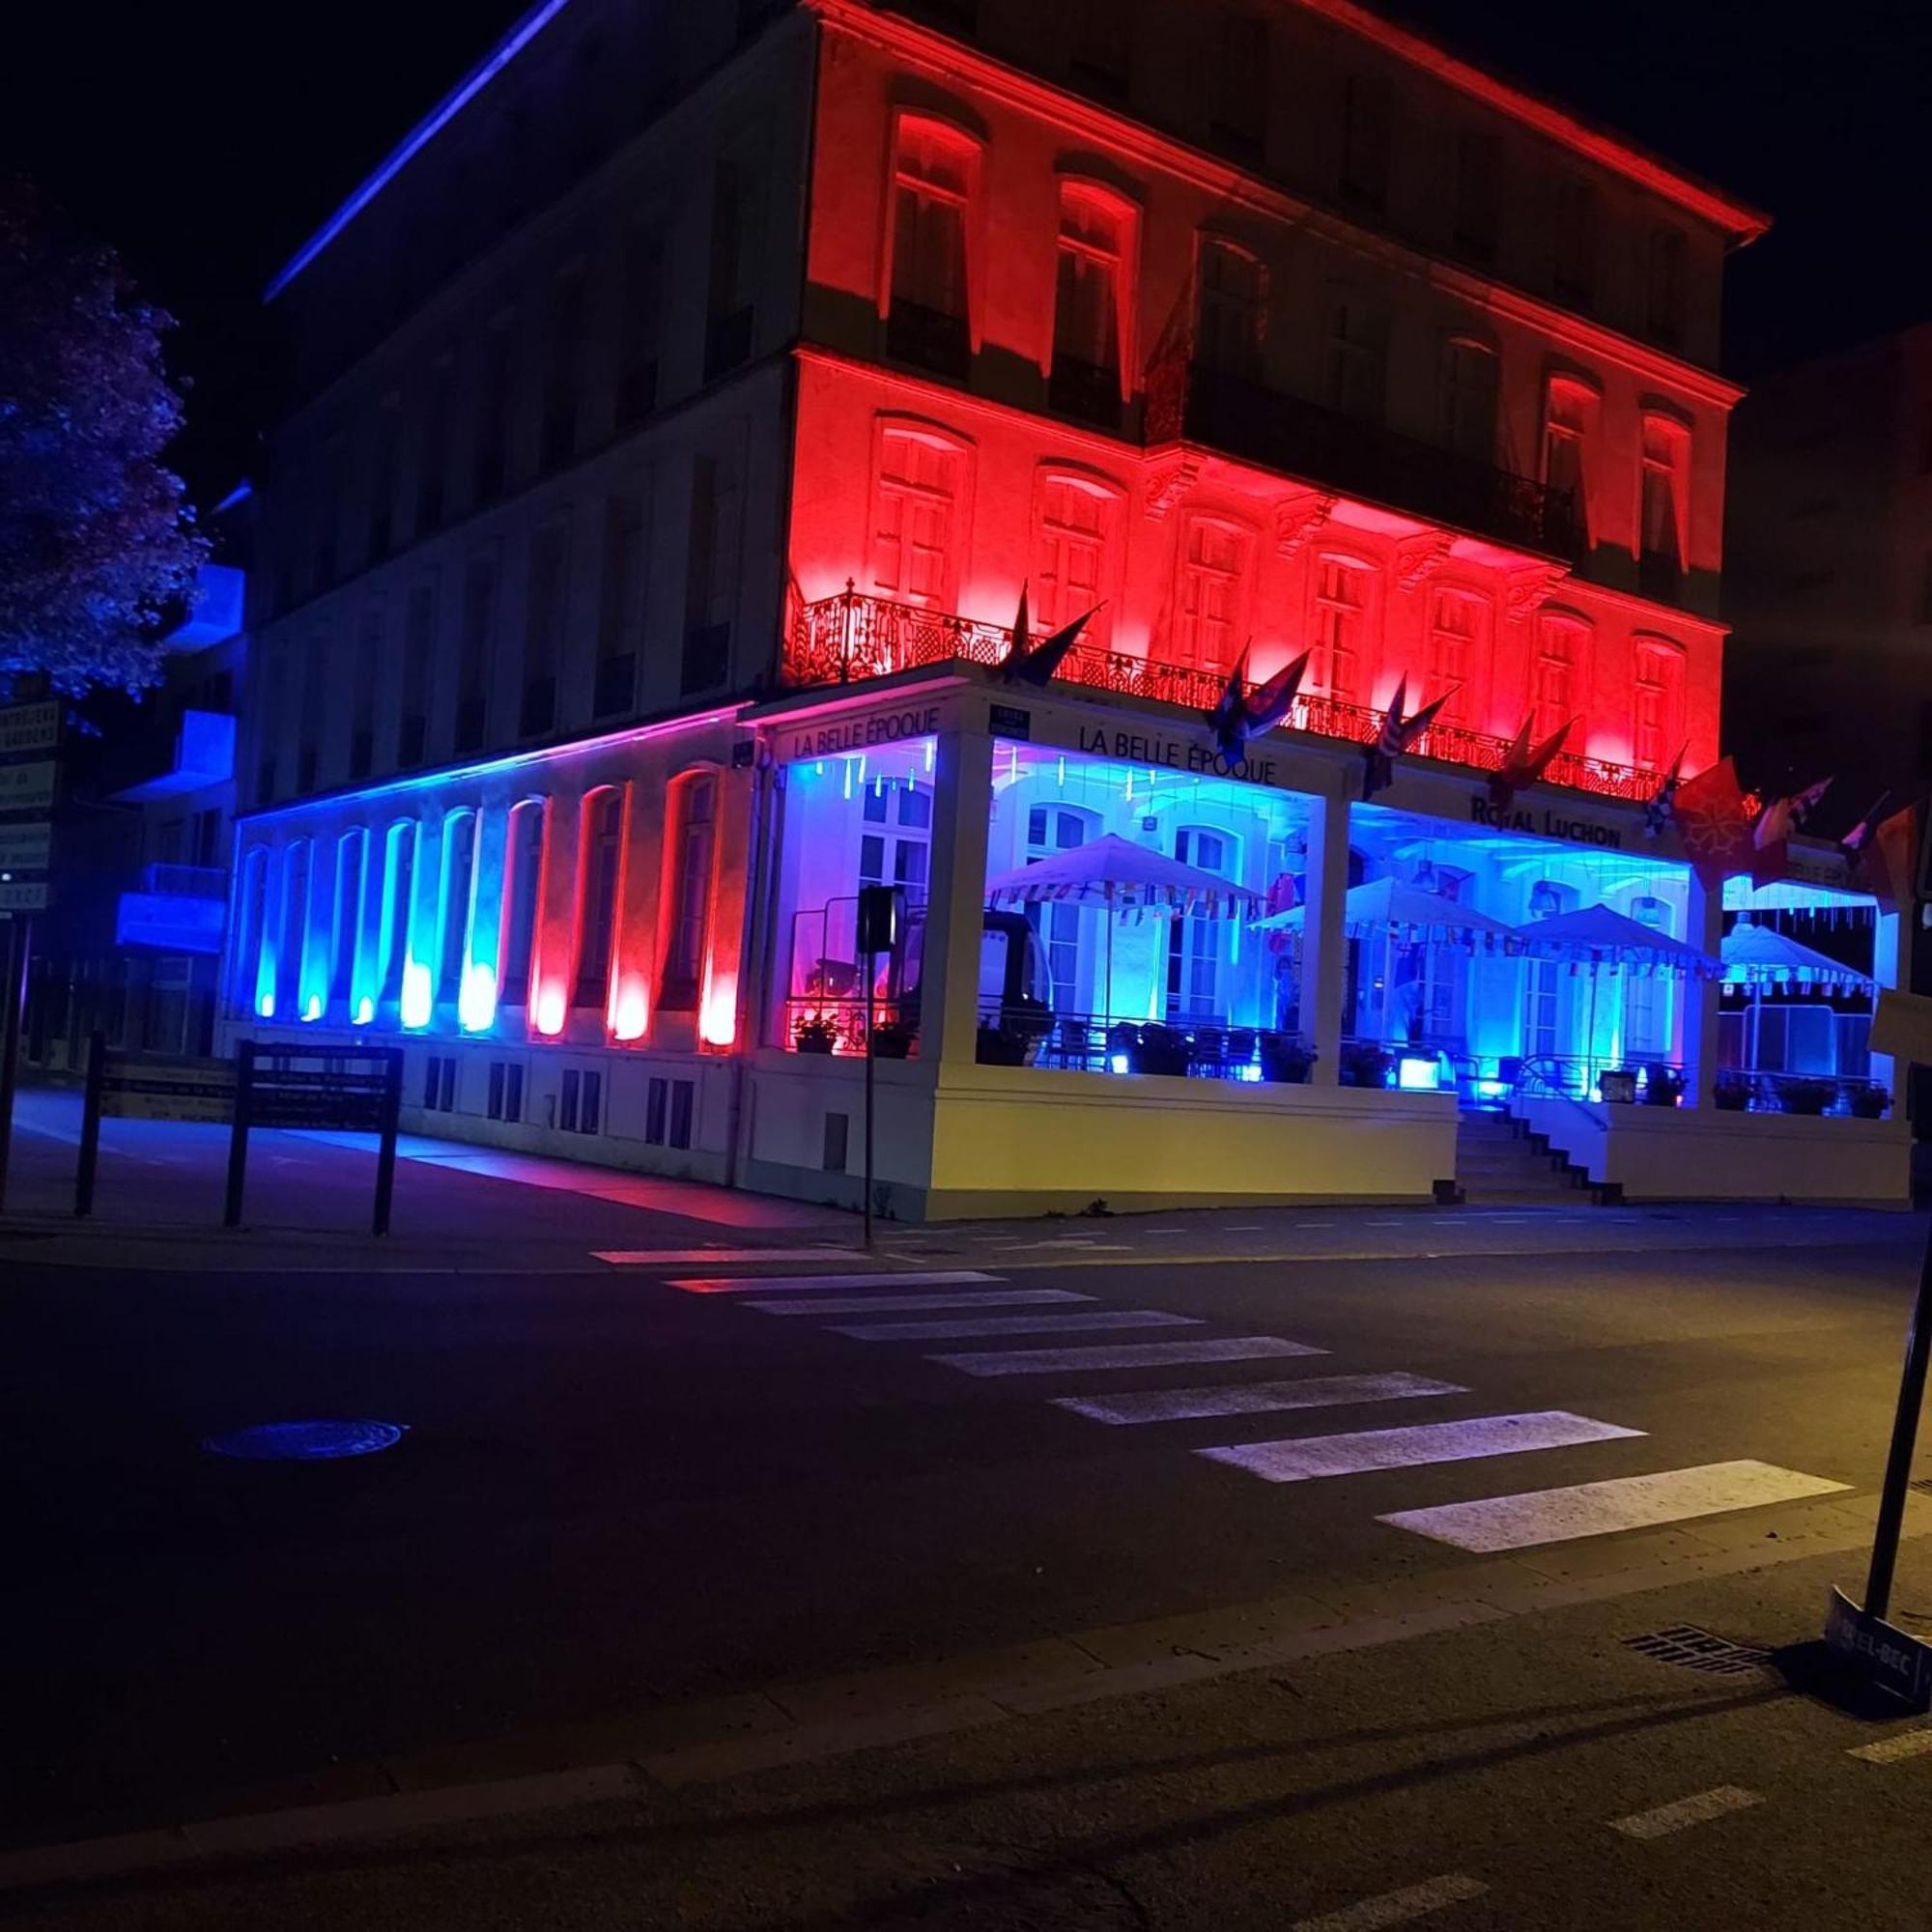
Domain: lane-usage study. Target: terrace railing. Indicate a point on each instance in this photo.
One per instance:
(851, 637)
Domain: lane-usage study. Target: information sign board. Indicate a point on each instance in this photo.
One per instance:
(29, 787)
(30, 728)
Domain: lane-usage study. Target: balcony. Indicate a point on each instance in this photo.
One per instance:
(846, 638)
(1189, 402)
(178, 909)
(203, 755)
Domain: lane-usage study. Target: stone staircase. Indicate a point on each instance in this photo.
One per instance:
(1496, 1165)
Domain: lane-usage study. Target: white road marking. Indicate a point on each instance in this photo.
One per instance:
(913, 1304)
(686, 1256)
(1245, 1228)
(1124, 1356)
(745, 1284)
(1012, 1324)
(1163, 1230)
(1250, 1398)
(1890, 1750)
(1304, 1458)
(1597, 1509)
(1397, 1908)
(1717, 1803)
(1312, 1224)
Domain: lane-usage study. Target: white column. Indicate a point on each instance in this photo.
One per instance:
(956, 894)
(1705, 917)
(1324, 958)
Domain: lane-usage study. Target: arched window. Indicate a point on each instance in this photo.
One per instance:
(1233, 296)
(935, 177)
(250, 981)
(1196, 945)
(1664, 504)
(1342, 627)
(690, 857)
(599, 871)
(399, 869)
(1075, 550)
(1559, 672)
(459, 879)
(1092, 301)
(289, 947)
(1357, 372)
(1544, 1017)
(350, 855)
(1469, 398)
(1210, 593)
(1060, 827)
(919, 478)
(522, 885)
(1569, 421)
(895, 836)
(1657, 724)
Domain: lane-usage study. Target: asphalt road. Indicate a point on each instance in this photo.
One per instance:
(615, 1494)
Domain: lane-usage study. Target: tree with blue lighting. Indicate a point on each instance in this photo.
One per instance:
(97, 544)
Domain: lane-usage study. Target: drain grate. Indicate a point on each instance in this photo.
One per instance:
(1694, 1649)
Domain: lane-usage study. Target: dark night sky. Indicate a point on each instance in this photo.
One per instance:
(206, 146)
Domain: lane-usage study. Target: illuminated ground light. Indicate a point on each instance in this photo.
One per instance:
(1418, 1073)
(630, 1012)
(417, 1001)
(365, 1010)
(476, 1000)
(313, 1009)
(550, 1011)
(305, 1441)
(265, 1005)
(717, 1025)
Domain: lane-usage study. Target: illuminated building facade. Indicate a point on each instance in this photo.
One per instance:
(640, 567)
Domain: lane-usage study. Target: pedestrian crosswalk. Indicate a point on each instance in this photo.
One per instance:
(940, 1305)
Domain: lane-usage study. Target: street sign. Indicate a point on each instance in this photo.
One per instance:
(1900, 1663)
(25, 846)
(30, 728)
(23, 896)
(356, 1089)
(28, 787)
(134, 1089)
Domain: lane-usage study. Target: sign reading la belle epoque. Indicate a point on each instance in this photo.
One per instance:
(1204, 758)
(859, 734)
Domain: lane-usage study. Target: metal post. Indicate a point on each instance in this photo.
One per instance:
(90, 1126)
(872, 974)
(1904, 1438)
(386, 1157)
(19, 950)
(237, 1133)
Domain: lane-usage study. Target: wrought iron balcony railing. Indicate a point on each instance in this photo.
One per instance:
(1187, 401)
(848, 637)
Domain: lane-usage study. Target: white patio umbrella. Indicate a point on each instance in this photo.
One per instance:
(1115, 873)
(1381, 903)
(1599, 937)
(1758, 956)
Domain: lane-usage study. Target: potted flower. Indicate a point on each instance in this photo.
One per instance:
(892, 1040)
(815, 1034)
(1284, 1059)
(1663, 1087)
(1806, 1096)
(1869, 1103)
(1732, 1092)
(1364, 1063)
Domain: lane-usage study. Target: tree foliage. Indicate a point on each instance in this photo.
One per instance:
(97, 544)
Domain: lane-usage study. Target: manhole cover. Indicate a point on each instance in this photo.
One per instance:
(304, 1441)
(1692, 1649)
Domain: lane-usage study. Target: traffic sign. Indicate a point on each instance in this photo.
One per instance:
(30, 728)
(27, 787)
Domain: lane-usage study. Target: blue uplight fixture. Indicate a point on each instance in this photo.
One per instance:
(304, 1441)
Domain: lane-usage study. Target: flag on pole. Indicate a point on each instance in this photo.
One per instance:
(1888, 862)
(1240, 714)
(1028, 663)
(1523, 764)
(1397, 735)
(1716, 823)
(1770, 835)
(1663, 806)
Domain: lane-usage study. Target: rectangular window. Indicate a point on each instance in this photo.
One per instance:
(563, 356)
(1458, 637)
(933, 185)
(1565, 469)
(1664, 295)
(691, 845)
(1209, 608)
(566, 1102)
(1073, 544)
(433, 467)
(1241, 83)
(1660, 705)
(544, 626)
(383, 478)
(1358, 361)
(1233, 305)
(1469, 400)
(476, 645)
(683, 1092)
(729, 312)
(622, 594)
(419, 660)
(1367, 116)
(641, 339)
(711, 573)
(1556, 681)
(348, 851)
(1089, 290)
(398, 900)
(1341, 599)
(656, 1095)
(366, 673)
(1661, 558)
(1574, 275)
(915, 508)
(493, 412)
(459, 875)
(598, 876)
(1478, 193)
(315, 709)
